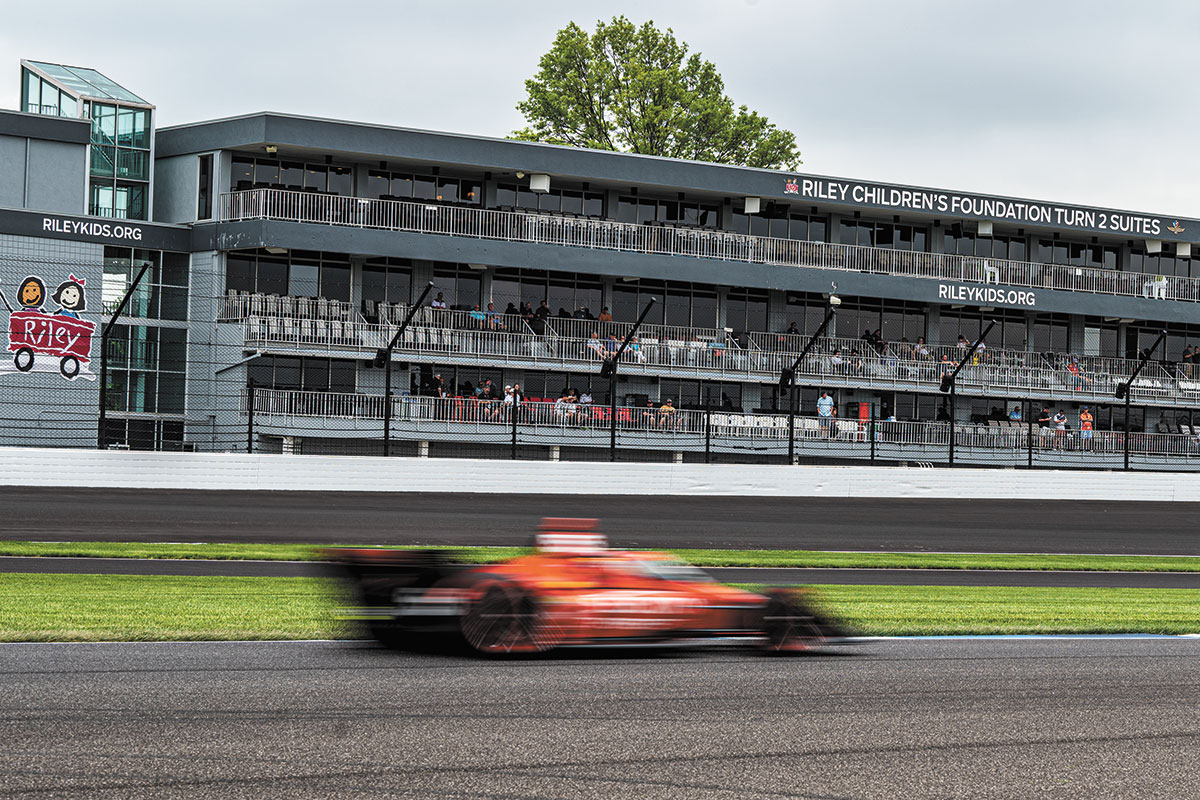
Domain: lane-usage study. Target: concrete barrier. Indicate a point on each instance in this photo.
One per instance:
(148, 470)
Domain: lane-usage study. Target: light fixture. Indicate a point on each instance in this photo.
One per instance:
(988, 308)
(520, 175)
(276, 250)
(1183, 249)
(630, 280)
(753, 204)
(272, 149)
(985, 227)
(1110, 319)
(834, 300)
(1126, 320)
(1153, 246)
(480, 267)
(539, 182)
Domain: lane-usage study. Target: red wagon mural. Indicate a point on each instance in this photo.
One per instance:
(61, 339)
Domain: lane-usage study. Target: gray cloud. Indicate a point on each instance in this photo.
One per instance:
(1075, 101)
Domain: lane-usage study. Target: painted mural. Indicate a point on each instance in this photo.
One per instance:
(49, 341)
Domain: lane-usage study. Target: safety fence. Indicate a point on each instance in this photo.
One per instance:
(832, 362)
(510, 428)
(592, 233)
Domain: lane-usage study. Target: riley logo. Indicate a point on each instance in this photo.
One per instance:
(1175, 227)
(791, 186)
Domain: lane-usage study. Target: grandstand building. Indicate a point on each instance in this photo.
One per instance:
(284, 251)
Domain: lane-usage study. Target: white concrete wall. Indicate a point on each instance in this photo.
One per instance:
(117, 469)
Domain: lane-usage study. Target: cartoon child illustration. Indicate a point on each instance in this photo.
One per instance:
(69, 296)
(31, 294)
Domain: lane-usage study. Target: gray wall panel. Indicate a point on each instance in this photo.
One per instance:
(57, 177)
(12, 171)
(175, 189)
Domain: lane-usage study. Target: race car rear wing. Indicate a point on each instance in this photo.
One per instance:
(569, 536)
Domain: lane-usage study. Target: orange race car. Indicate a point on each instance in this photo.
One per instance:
(572, 590)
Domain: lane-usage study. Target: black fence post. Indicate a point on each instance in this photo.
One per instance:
(1029, 433)
(792, 421)
(871, 432)
(515, 405)
(250, 416)
(707, 435)
(952, 410)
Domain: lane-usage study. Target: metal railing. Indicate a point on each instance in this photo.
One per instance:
(724, 360)
(361, 212)
(541, 421)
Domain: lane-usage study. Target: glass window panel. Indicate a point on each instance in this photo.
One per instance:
(690, 213)
(1061, 253)
(625, 303)
(704, 310)
(272, 276)
(49, 98)
(378, 184)
(402, 186)
(316, 177)
(1110, 258)
(315, 374)
(848, 232)
(551, 201)
(447, 190)
(527, 198)
(647, 211)
(399, 286)
(287, 372)
(104, 124)
(374, 283)
(627, 209)
(739, 222)
(467, 294)
(133, 164)
(239, 273)
(125, 127)
(593, 204)
(1079, 255)
(1016, 250)
(32, 93)
(758, 225)
(424, 187)
(798, 228)
(572, 202)
(885, 236)
(104, 160)
(471, 192)
(266, 172)
(342, 376)
(668, 211)
(242, 174)
(710, 216)
(506, 195)
(341, 181)
(68, 106)
(335, 282)
(817, 230)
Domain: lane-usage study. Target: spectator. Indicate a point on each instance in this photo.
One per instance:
(857, 365)
(492, 316)
(943, 414)
(726, 402)
(487, 391)
(1078, 379)
(963, 344)
(511, 311)
(825, 412)
(610, 346)
(650, 415)
(945, 367)
(922, 349)
(666, 414)
(1060, 429)
(1086, 424)
(596, 346)
(585, 399)
(906, 348)
(792, 330)
(564, 407)
(438, 302)
(1015, 414)
(543, 311)
(877, 340)
(605, 316)
(563, 313)
(583, 313)
(836, 362)
(636, 349)
(1188, 360)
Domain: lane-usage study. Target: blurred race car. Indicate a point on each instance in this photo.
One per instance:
(572, 590)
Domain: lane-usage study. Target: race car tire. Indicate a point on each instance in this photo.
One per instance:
(69, 366)
(505, 619)
(23, 359)
(788, 625)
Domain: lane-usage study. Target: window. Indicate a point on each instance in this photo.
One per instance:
(307, 374)
(204, 188)
(886, 235)
(746, 310)
(555, 201)
(387, 281)
(300, 273)
(1076, 254)
(147, 365)
(162, 292)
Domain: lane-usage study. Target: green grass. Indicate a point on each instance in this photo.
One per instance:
(703, 558)
(40, 608)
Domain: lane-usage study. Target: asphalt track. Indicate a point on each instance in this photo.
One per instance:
(1111, 718)
(768, 575)
(967, 525)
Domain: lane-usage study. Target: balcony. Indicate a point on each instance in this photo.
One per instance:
(285, 412)
(597, 234)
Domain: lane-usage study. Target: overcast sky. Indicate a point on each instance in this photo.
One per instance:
(1082, 102)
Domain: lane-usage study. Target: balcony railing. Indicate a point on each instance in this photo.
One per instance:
(551, 423)
(516, 226)
(718, 358)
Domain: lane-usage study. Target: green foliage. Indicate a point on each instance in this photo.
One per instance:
(638, 90)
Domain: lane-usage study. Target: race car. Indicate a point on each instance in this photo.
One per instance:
(571, 590)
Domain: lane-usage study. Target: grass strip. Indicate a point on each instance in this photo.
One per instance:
(702, 558)
(43, 608)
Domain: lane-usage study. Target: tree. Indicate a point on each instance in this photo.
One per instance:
(637, 90)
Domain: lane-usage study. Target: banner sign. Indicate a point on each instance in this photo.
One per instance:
(986, 295)
(998, 209)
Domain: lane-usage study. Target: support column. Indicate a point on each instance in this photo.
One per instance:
(933, 324)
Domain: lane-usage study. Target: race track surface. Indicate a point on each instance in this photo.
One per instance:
(1061, 526)
(1112, 718)
(769, 575)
